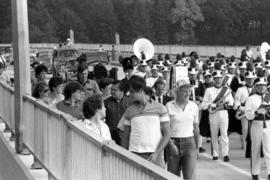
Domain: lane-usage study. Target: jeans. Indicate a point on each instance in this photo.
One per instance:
(185, 160)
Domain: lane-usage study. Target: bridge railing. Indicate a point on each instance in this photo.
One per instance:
(69, 151)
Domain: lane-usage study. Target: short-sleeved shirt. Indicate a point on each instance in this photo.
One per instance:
(68, 109)
(182, 120)
(103, 130)
(145, 123)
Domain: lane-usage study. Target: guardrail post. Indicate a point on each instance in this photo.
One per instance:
(20, 38)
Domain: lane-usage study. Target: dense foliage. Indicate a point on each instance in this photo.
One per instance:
(213, 22)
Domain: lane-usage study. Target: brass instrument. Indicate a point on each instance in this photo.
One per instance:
(143, 49)
(265, 47)
(240, 114)
(220, 104)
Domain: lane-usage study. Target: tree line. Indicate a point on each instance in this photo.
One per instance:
(206, 22)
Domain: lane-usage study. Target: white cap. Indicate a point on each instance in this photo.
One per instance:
(183, 82)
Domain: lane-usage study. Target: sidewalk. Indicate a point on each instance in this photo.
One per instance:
(39, 174)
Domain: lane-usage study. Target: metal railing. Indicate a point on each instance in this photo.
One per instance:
(69, 151)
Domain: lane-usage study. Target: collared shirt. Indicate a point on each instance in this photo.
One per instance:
(66, 107)
(182, 120)
(211, 94)
(253, 102)
(145, 126)
(241, 95)
(102, 130)
(52, 100)
(114, 111)
(151, 81)
(158, 99)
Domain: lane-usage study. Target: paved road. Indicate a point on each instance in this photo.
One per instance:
(237, 169)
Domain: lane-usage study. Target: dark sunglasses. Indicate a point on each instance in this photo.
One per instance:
(46, 90)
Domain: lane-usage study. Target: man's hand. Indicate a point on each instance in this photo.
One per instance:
(213, 105)
(153, 158)
(173, 148)
(261, 111)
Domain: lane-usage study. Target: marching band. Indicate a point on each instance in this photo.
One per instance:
(231, 95)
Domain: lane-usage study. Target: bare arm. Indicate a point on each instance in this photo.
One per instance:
(196, 132)
(126, 136)
(165, 129)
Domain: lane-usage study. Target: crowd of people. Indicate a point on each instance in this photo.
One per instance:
(164, 121)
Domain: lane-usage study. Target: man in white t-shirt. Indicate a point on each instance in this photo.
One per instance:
(147, 129)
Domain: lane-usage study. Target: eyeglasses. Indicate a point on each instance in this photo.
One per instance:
(46, 90)
(89, 89)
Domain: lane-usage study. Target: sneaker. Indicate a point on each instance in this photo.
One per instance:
(215, 158)
(256, 177)
(226, 159)
(201, 150)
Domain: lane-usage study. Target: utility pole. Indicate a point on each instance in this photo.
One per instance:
(20, 38)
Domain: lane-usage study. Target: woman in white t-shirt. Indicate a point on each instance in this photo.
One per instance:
(94, 113)
(182, 154)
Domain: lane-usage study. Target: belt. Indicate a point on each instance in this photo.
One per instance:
(261, 119)
(176, 139)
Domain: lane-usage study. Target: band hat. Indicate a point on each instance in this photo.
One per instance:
(168, 62)
(192, 71)
(250, 75)
(258, 65)
(261, 81)
(267, 63)
(217, 73)
(185, 60)
(207, 73)
(154, 67)
(160, 63)
(232, 65)
(242, 65)
(223, 67)
(143, 63)
(211, 64)
(178, 63)
(165, 68)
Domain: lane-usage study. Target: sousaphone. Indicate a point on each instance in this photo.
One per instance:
(143, 49)
(265, 47)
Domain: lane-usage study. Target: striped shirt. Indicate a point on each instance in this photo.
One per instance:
(145, 126)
